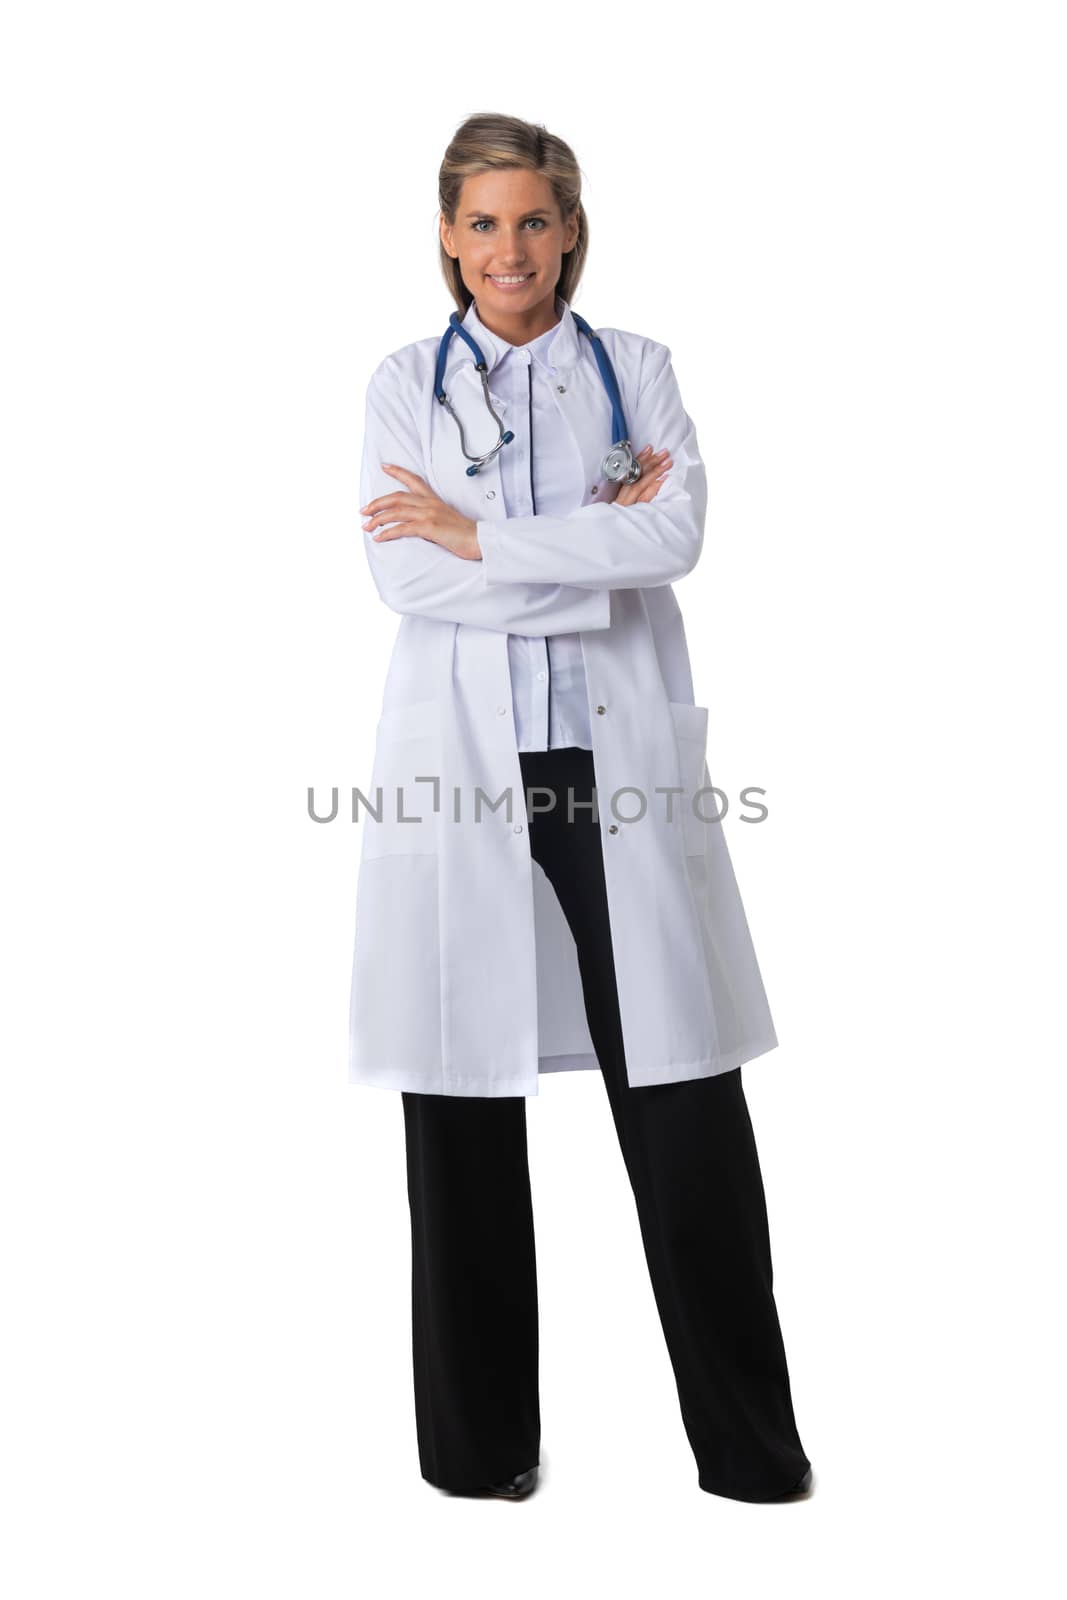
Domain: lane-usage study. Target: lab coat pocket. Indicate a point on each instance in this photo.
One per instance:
(407, 769)
(691, 736)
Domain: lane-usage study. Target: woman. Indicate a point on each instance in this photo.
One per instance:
(538, 687)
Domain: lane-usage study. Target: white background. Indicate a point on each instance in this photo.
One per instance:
(847, 222)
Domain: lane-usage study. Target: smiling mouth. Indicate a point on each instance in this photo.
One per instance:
(509, 280)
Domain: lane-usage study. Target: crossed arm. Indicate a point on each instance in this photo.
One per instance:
(541, 575)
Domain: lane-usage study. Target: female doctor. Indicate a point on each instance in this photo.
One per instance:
(531, 490)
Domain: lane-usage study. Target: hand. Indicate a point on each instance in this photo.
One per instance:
(417, 512)
(654, 469)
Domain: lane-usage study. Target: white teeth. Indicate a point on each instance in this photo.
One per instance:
(522, 277)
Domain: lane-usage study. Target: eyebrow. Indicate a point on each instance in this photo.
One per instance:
(489, 217)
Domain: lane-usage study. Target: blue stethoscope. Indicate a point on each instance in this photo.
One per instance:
(618, 465)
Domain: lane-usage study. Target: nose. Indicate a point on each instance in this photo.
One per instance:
(512, 251)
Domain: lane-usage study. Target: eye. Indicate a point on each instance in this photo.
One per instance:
(476, 227)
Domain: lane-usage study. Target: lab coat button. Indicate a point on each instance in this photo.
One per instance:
(562, 387)
(601, 710)
(490, 494)
(501, 711)
(614, 828)
(541, 676)
(518, 827)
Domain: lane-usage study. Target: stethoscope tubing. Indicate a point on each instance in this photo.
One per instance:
(620, 437)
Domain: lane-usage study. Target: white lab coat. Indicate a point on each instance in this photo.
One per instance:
(465, 976)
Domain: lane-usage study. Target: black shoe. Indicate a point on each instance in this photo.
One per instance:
(798, 1489)
(516, 1488)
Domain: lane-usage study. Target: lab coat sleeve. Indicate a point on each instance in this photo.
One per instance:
(609, 546)
(416, 576)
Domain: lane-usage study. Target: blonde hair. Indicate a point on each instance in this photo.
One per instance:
(486, 143)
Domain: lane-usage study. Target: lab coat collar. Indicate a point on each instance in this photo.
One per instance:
(561, 354)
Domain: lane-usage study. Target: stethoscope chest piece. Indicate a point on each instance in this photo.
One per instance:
(619, 465)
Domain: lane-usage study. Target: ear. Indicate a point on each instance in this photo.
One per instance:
(446, 233)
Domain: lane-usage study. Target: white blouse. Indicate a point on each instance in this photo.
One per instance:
(548, 686)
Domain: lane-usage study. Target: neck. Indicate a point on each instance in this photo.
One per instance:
(524, 325)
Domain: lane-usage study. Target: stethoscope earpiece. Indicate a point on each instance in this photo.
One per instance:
(480, 463)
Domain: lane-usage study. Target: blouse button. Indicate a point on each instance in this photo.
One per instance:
(614, 828)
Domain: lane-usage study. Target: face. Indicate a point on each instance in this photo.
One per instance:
(508, 225)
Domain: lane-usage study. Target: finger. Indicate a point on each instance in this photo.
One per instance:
(403, 474)
(406, 477)
(405, 504)
(650, 489)
(652, 462)
(385, 500)
(384, 517)
(396, 530)
(394, 508)
(650, 468)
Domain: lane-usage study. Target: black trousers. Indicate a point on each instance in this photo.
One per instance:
(691, 1158)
